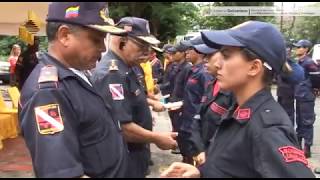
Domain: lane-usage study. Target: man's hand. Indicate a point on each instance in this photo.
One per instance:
(200, 158)
(157, 106)
(166, 140)
(181, 170)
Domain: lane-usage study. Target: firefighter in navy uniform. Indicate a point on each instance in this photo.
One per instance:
(256, 137)
(65, 136)
(305, 97)
(182, 69)
(121, 88)
(214, 104)
(194, 89)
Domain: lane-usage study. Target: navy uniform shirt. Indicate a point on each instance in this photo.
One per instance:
(255, 140)
(122, 89)
(167, 84)
(196, 82)
(304, 91)
(180, 81)
(157, 69)
(67, 126)
(214, 104)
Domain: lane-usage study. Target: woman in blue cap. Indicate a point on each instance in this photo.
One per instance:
(256, 137)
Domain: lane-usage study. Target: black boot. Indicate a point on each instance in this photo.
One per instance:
(307, 151)
(300, 142)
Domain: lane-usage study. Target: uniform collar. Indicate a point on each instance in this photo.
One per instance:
(197, 67)
(63, 71)
(244, 113)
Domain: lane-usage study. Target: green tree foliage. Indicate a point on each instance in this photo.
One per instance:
(167, 19)
(6, 43)
(306, 27)
(224, 22)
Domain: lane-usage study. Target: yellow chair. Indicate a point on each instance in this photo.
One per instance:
(9, 127)
(14, 96)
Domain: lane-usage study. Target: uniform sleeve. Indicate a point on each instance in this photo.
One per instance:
(191, 120)
(49, 127)
(115, 91)
(276, 154)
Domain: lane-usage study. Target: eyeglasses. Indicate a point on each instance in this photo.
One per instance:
(142, 46)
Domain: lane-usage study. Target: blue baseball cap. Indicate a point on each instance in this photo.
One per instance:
(139, 28)
(303, 43)
(192, 42)
(181, 47)
(94, 15)
(204, 49)
(262, 38)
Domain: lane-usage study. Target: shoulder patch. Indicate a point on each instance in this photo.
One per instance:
(292, 154)
(48, 73)
(116, 91)
(48, 119)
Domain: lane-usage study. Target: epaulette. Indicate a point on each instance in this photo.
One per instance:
(113, 66)
(48, 76)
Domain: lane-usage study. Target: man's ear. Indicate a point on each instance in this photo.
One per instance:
(64, 35)
(123, 41)
(256, 67)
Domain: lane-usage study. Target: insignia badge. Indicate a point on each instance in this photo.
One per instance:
(217, 109)
(244, 114)
(113, 66)
(49, 120)
(104, 14)
(48, 74)
(137, 92)
(292, 154)
(116, 91)
(192, 81)
(72, 12)
(204, 99)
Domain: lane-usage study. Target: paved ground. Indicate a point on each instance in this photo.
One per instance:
(15, 160)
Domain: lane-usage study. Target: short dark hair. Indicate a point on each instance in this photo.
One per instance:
(52, 28)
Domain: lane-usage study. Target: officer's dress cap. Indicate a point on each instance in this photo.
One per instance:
(262, 38)
(166, 47)
(303, 43)
(139, 28)
(94, 15)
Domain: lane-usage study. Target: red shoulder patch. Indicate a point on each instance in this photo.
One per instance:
(292, 154)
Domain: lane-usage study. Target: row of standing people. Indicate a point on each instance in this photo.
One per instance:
(80, 123)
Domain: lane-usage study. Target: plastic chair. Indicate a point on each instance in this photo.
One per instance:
(14, 96)
(9, 127)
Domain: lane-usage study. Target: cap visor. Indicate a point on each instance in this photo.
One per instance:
(108, 29)
(296, 44)
(157, 49)
(149, 39)
(216, 39)
(186, 43)
(204, 49)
